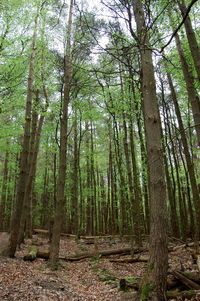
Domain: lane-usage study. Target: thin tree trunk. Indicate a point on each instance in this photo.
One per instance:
(31, 179)
(194, 48)
(9, 198)
(184, 214)
(80, 200)
(60, 197)
(89, 208)
(137, 108)
(189, 162)
(4, 192)
(123, 193)
(75, 183)
(113, 225)
(93, 182)
(132, 174)
(170, 180)
(191, 90)
(137, 187)
(45, 200)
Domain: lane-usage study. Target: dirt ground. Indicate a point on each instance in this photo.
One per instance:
(85, 280)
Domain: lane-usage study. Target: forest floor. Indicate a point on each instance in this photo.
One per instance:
(84, 280)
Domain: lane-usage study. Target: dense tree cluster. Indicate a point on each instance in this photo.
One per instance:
(100, 122)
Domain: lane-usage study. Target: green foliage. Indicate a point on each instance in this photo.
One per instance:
(146, 291)
(105, 91)
(131, 279)
(106, 277)
(95, 259)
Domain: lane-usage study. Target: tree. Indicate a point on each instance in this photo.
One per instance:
(157, 271)
(194, 48)
(60, 197)
(115, 128)
(191, 90)
(21, 184)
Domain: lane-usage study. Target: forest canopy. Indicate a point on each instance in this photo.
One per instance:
(100, 120)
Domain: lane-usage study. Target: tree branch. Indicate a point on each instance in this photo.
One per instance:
(182, 22)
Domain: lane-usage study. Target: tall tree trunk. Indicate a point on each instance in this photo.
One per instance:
(191, 214)
(170, 180)
(137, 187)
(93, 181)
(4, 192)
(144, 176)
(132, 173)
(158, 262)
(60, 197)
(45, 196)
(75, 183)
(89, 207)
(9, 198)
(189, 162)
(21, 184)
(81, 209)
(137, 110)
(193, 96)
(194, 48)
(183, 210)
(34, 121)
(103, 213)
(132, 198)
(123, 227)
(113, 224)
(31, 179)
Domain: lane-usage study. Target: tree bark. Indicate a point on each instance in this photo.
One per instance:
(21, 184)
(113, 219)
(4, 192)
(80, 256)
(75, 178)
(34, 121)
(189, 162)
(170, 179)
(157, 271)
(60, 197)
(193, 96)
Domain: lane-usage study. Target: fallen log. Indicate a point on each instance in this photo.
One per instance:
(131, 260)
(181, 294)
(135, 283)
(186, 281)
(194, 276)
(186, 245)
(100, 253)
(87, 237)
(135, 296)
(34, 253)
(46, 232)
(173, 281)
